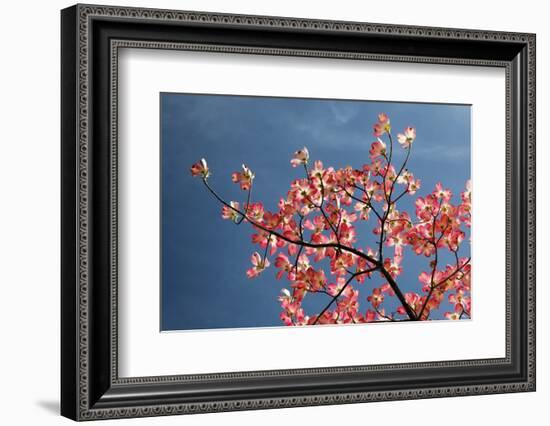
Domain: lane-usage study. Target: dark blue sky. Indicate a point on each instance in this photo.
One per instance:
(204, 258)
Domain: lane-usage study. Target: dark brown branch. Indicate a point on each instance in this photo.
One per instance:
(400, 171)
(301, 247)
(411, 314)
(464, 312)
(266, 247)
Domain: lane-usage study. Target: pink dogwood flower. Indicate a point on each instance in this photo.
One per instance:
(407, 137)
(382, 126)
(377, 149)
(200, 168)
(231, 213)
(300, 157)
(244, 178)
(258, 265)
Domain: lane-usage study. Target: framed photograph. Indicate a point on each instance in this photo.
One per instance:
(263, 212)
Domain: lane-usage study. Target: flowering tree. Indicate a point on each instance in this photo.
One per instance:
(314, 232)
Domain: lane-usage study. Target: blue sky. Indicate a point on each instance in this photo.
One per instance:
(204, 258)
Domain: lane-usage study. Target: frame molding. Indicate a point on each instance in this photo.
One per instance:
(91, 37)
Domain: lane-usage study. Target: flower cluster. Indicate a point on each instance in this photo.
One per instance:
(312, 238)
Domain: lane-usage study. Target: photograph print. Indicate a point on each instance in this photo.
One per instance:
(300, 212)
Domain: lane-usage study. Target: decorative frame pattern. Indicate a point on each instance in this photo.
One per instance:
(91, 388)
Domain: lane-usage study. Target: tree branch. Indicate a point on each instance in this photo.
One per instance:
(378, 265)
(289, 240)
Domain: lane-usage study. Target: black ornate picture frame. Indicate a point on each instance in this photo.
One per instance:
(91, 386)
